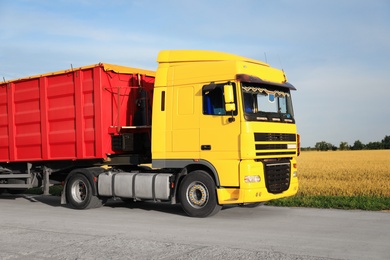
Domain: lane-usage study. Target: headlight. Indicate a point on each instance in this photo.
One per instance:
(252, 178)
(295, 174)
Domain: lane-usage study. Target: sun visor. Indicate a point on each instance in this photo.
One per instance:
(254, 79)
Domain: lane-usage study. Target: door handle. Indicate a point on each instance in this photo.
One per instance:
(205, 147)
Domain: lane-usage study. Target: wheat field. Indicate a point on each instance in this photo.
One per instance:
(345, 173)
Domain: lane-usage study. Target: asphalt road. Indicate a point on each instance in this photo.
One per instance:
(38, 227)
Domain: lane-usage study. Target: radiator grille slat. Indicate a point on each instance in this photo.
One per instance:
(274, 137)
(271, 146)
(275, 141)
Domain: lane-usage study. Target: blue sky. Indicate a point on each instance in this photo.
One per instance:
(335, 52)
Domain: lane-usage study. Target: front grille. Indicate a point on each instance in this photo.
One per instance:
(271, 146)
(277, 176)
(274, 137)
(274, 141)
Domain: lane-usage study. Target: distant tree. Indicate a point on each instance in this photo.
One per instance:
(344, 146)
(357, 145)
(386, 142)
(374, 145)
(320, 146)
(323, 146)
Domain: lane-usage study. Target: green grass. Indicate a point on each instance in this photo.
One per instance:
(335, 202)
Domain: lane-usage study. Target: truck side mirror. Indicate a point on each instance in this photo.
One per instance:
(229, 98)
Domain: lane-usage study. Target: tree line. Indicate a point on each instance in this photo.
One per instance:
(357, 145)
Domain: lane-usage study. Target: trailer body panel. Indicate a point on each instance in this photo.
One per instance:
(71, 114)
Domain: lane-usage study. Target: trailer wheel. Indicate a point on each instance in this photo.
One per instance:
(79, 193)
(198, 195)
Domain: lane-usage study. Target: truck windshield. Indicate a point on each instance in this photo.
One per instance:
(264, 102)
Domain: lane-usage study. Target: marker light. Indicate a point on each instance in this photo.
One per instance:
(252, 178)
(291, 146)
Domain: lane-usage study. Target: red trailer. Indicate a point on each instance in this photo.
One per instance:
(71, 116)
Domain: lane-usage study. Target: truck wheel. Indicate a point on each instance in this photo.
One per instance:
(79, 193)
(198, 195)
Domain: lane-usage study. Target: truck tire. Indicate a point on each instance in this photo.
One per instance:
(79, 193)
(198, 195)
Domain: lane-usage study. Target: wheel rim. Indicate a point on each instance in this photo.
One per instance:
(79, 191)
(197, 194)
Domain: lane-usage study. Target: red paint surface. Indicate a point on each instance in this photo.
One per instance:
(67, 116)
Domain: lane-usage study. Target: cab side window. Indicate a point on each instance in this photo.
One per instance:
(213, 101)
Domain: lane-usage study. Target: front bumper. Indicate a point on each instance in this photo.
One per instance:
(277, 179)
(239, 196)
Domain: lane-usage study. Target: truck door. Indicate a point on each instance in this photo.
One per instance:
(185, 124)
(219, 132)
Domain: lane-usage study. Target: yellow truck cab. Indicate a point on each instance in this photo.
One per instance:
(228, 122)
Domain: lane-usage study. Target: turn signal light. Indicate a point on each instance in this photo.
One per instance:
(299, 144)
